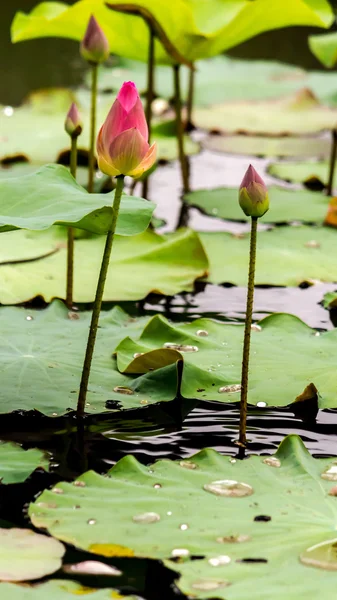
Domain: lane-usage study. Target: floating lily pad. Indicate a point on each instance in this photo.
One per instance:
(25, 555)
(330, 300)
(36, 129)
(324, 47)
(268, 509)
(285, 205)
(301, 113)
(42, 358)
(286, 357)
(147, 263)
(301, 172)
(245, 80)
(285, 256)
(196, 29)
(17, 464)
(58, 590)
(299, 147)
(51, 196)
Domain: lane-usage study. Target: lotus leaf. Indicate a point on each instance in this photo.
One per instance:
(324, 48)
(268, 509)
(26, 555)
(285, 256)
(299, 147)
(42, 356)
(330, 300)
(192, 27)
(17, 464)
(212, 356)
(285, 205)
(34, 264)
(301, 113)
(301, 172)
(51, 196)
(58, 589)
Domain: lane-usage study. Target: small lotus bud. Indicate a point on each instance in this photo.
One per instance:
(73, 123)
(253, 195)
(94, 47)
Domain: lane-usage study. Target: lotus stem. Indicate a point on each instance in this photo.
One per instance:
(99, 297)
(70, 242)
(180, 129)
(190, 99)
(149, 97)
(92, 159)
(333, 157)
(246, 341)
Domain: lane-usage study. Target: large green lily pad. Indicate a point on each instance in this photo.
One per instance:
(301, 113)
(197, 30)
(285, 205)
(324, 47)
(286, 357)
(17, 464)
(290, 147)
(36, 129)
(25, 555)
(272, 509)
(146, 263)
(51, 196)
(301, 172)
(42, 355)
(285, 256)
(58, 589)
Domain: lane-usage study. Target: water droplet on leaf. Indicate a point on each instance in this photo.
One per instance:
(29, 318)
(183, 526)
(208, 585)
(157, 486)
(79, 483)
(148, 517)
(138, 354)
(256, 327)
(219, 560)
(91, 521)
(202, 333)
(187, 464)
(57, 490)
(181, 347)
(120, 389)
(330, 473)
(180, 552)
(272, 461)
(229, 488)
(261, 404)
(230, 389)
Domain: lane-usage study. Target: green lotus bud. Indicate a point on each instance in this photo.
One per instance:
(73, 122)
(94, 46)
(253, 195)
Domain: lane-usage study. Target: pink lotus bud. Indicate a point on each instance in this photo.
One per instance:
(94, 46)
(73, 122)
(253, 195)
(122, 143)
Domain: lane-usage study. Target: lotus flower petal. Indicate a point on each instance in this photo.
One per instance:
(127, 150)
(128, 95)
(147, 162)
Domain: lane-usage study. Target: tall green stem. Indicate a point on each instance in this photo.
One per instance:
(180, 129)
(92, 159)
(246, 341)
(333, 157)
(70, 243)
(149, 96)
(99, 297)
(190, 97)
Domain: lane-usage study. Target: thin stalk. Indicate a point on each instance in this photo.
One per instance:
(246, 341)
(333, 157)
(180, 129)
(70, 242)
(98, 298)
(94, 74)
(190, 98)
(149, 97)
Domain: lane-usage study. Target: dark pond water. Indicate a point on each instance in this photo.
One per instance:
(177, 429)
